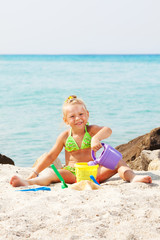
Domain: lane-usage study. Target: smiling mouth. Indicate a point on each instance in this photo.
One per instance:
(79, 123)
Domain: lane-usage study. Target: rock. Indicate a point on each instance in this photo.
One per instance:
(131, 151)
(6, 160)
(149, 160)
(137, 164)
(145, 159)
(57, 162)
(154, 163)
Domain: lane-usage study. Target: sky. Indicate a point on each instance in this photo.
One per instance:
(79, 26)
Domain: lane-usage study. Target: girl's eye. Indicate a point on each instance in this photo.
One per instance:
(81, 114)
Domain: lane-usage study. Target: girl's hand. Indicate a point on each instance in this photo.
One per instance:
(32, 175)
(95, 144)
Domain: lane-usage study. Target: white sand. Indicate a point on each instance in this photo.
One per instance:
(118, 210)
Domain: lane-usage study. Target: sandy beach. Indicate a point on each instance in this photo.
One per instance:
(117, 210)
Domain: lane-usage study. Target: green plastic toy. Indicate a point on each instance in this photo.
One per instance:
(64, 185)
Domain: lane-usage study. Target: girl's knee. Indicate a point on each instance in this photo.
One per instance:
(121, 163)
(105, 173)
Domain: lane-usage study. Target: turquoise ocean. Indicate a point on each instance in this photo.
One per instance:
(120, 91)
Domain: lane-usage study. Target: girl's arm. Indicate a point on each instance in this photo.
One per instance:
(50, 157)
(99, 133)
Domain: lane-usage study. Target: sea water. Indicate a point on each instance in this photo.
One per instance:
(120, 91)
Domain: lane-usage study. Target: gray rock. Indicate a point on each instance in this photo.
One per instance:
(154, 160)
(148, 160)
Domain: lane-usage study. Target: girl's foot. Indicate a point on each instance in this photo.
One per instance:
(17, 182)
(145, 179)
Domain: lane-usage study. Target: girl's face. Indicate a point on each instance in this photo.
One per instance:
(76, 116)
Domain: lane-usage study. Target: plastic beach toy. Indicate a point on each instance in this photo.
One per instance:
(35, 189)
(94, 180)
(109, 158)
(64, 185)
(83, 171)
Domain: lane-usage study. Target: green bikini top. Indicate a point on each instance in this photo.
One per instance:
(71, 144)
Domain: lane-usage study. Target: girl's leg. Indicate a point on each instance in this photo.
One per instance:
(128, 175)
(105, 173)
(46, 177)
(124, 172)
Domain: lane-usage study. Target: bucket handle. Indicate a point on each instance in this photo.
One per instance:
(93, 155)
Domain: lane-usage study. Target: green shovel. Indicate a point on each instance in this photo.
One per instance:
(64, 185)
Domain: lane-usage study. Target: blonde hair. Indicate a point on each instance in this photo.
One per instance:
(72, 100)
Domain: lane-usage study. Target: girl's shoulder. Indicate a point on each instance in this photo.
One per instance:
(64, 135)
(93, 129)
(61, 139)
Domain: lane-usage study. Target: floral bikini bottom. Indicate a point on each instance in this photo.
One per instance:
(71, 169)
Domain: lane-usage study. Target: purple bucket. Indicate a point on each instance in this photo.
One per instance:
(109, 158)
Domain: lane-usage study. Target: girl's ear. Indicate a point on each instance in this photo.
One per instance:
(65, 120)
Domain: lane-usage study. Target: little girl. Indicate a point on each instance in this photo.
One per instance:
(78, 142)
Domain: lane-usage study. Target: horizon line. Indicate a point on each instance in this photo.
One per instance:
(78, 54)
